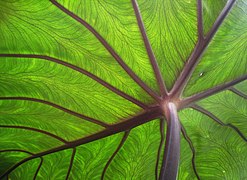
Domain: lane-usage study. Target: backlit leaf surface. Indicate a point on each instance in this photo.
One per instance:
(84, 88)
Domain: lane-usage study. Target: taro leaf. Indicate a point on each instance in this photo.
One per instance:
(140, 89)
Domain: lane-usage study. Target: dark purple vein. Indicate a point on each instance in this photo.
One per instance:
(71, 163)
(82, 71)
(126, 134)
(199, 21)
(193, 60)
(170, 164)
(18, 150)
(151, 114)
(153, 61)
(14, 150)
(37, 171)
(109, 49)
(58, 107)
(186, 137)
(162, 138)
(239, 93)
(192, 99)
(213, 117)
(36, 130)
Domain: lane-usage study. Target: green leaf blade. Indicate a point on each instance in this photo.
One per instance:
(220, 152)
(172, 30)
(84, 88)
(225, 59)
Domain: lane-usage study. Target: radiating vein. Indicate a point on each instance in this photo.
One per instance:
(151, 114)
(162, 138)
(35, 130)
(58, 107)
(239, 93)
(14, 150)
(17, 150)
(152, 58)
(109, 49)
(192, 99)
(37, 171)
(71, 163)
(193, 60)
(186, 137)
(213, 117)
(199, 21)
(126, 134)
(82, 71)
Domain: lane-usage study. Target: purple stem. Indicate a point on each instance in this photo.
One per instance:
(170, 164)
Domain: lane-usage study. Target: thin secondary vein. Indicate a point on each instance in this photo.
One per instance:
(193, 60)
(82, 71)
(37, 171)
(162, 138)
(186, 137)
(128, 124)
(213, 117)
(71, 163)
(126, 134)
(36, 130)
(152, 58)
(18, 150)
(109, 49)
(58, 107)
(239, 93)
(199, 21)
(192, 99)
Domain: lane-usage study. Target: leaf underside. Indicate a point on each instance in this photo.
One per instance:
(85, 86)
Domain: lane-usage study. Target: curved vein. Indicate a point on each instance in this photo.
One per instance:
(199, 21)
(14, 150)
(37, 171)
(126, 134)
(18, 150)
(213, 117)
(95, 121)
(71, 163)
(186, 137)
(151, 114)
(109, 49)
(193, 60)
(189, 100)
(239, 93)
(82, 71)
(153, 61)
(36, 130)
(162, 137)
